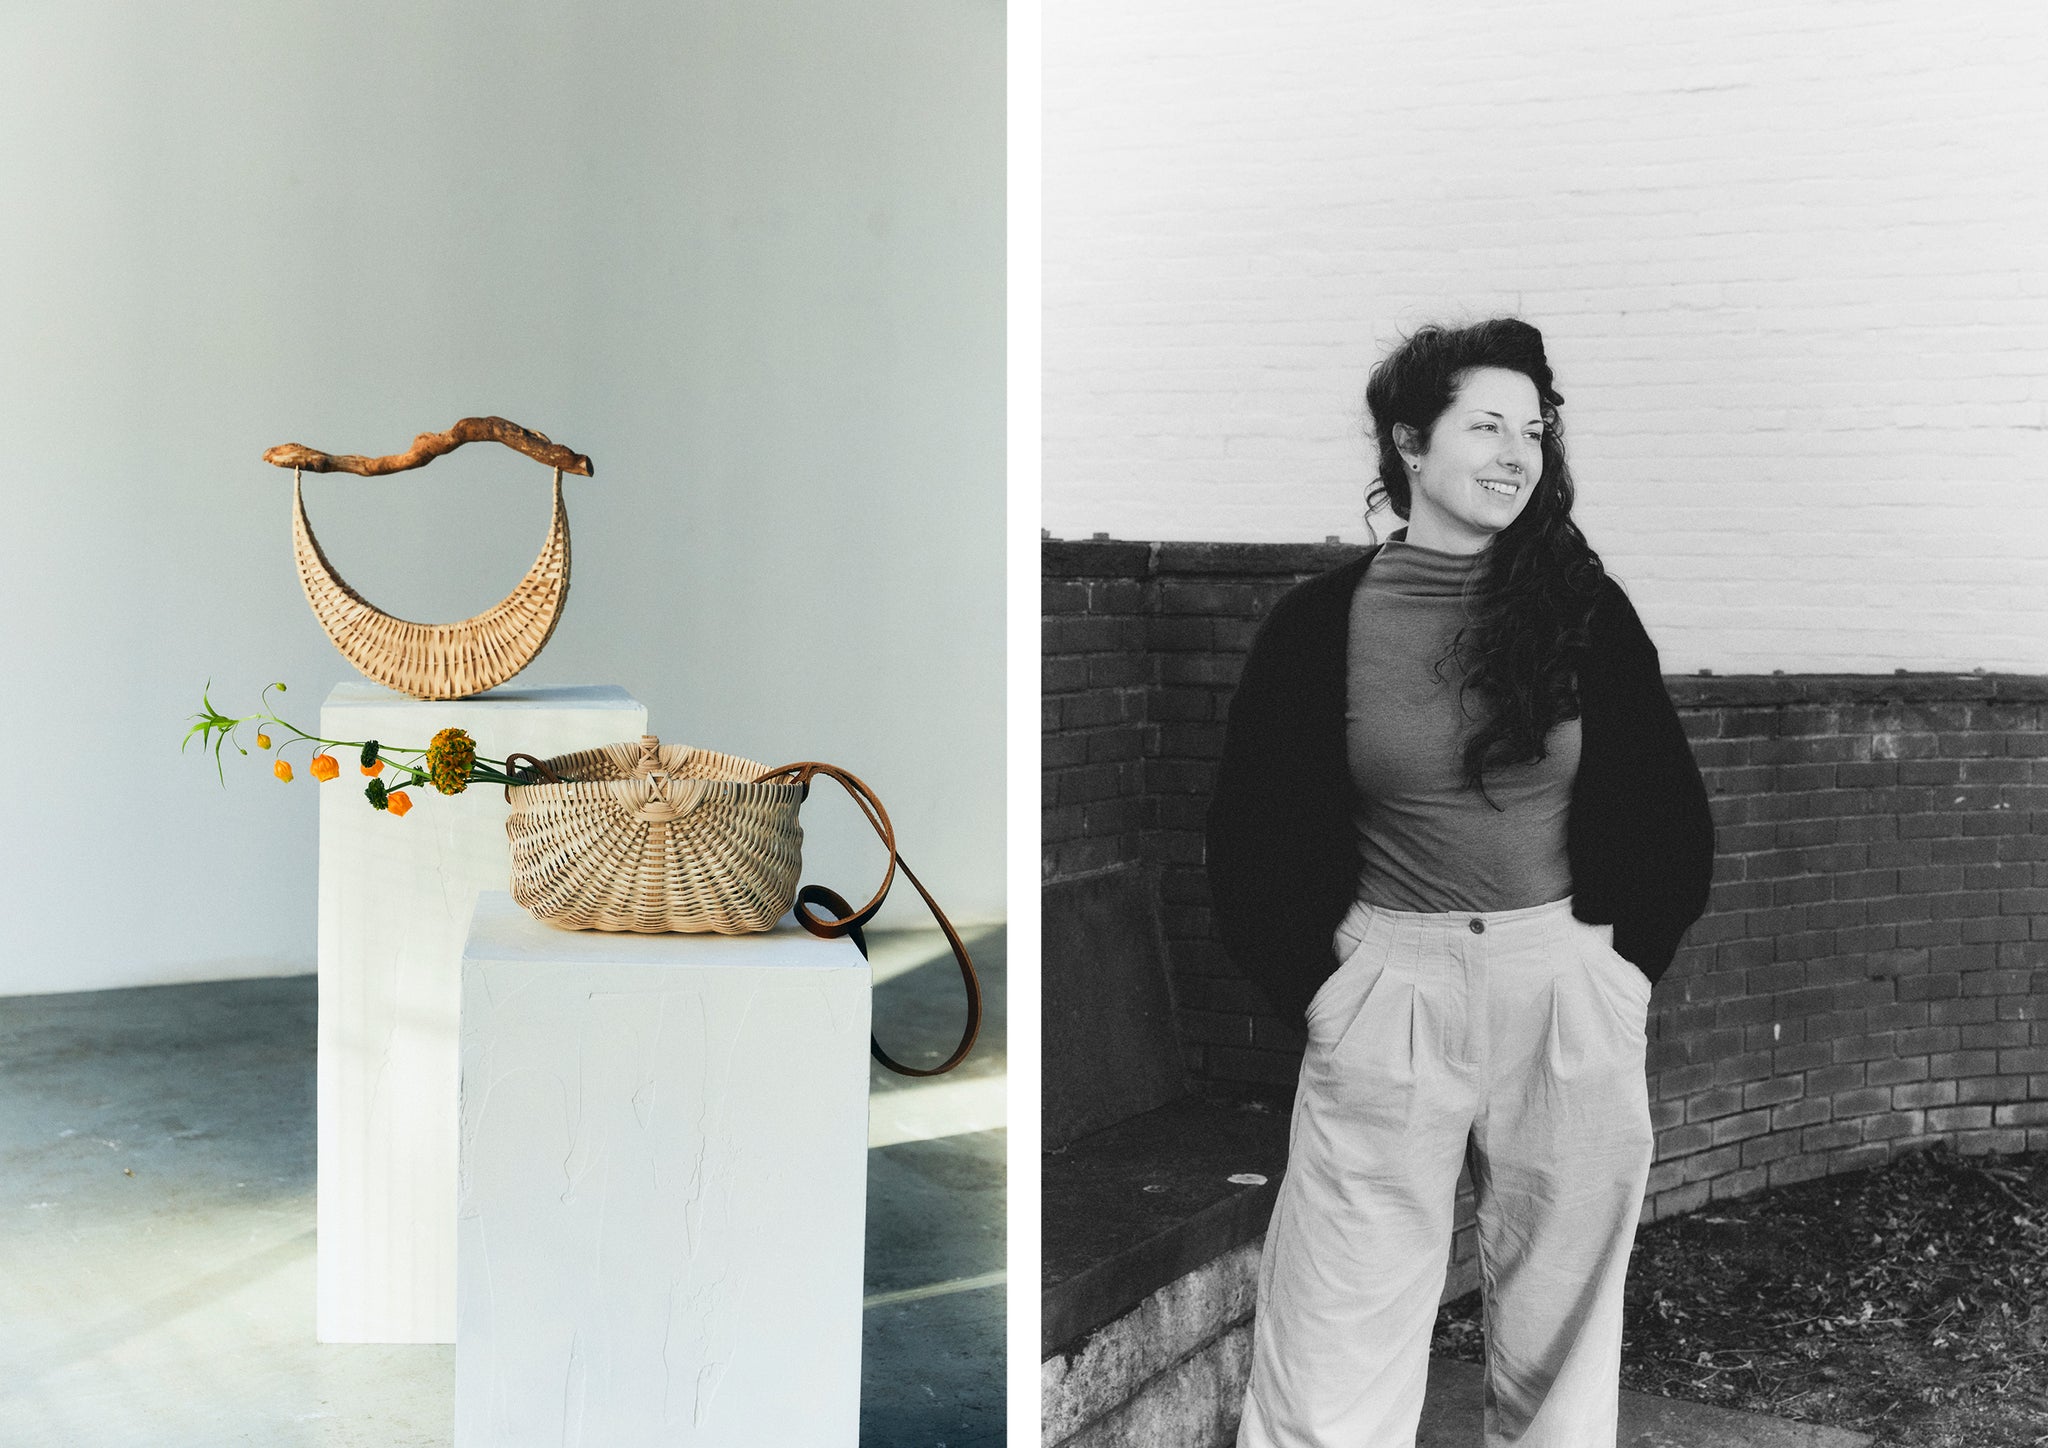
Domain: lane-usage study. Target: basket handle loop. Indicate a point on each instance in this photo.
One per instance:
(846, 921)
(541, 772)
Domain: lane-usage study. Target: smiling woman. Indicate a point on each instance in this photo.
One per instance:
(1457, 828)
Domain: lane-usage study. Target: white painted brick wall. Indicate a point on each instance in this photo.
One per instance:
(1791, 262)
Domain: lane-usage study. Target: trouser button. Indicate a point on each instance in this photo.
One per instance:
(1479, 927)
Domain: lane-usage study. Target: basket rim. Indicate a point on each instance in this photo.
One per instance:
(609, 788)
(745, 772)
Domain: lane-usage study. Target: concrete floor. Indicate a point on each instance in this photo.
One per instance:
(156, 1226)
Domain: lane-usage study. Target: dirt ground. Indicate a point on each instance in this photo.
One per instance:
(1908, 1301)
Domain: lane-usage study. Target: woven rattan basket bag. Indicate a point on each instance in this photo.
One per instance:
(653, 837)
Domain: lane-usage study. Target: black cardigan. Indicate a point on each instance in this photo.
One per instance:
(1283, 853)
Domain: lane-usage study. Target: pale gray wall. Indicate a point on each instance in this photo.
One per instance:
(747, 256)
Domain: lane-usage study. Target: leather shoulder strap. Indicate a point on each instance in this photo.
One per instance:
(844, 920)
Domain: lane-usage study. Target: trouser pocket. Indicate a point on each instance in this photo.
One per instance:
(1344, 945)
(1615, 978)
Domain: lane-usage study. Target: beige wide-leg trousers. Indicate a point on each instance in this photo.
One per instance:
(1512, 1040)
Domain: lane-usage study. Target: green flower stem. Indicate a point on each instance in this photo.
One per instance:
(385, 755)
(492, 776)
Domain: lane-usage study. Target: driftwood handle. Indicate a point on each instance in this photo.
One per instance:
(430, 445)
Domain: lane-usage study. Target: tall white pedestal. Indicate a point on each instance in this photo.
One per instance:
(395, 899)
(663, 1187)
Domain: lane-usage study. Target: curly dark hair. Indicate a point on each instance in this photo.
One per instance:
(1534, 591)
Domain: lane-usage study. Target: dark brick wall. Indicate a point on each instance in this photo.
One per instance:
(1869, 966)
(1143, 642)
(1869, 970)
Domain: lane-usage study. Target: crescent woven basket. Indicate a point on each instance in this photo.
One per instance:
(656, 837)
(436, 660)
(653, 837)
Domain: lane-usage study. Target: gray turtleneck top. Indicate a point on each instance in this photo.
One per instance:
(1426, 841)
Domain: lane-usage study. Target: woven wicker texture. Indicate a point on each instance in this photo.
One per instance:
(652, 837)
(438, 660)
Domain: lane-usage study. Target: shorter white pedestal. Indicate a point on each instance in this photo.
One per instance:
(662, 1199)
(395, 896)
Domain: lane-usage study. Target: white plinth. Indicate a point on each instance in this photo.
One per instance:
(395, 899)
(663, 1187)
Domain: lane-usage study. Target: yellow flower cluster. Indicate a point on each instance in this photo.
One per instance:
(450, 757)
